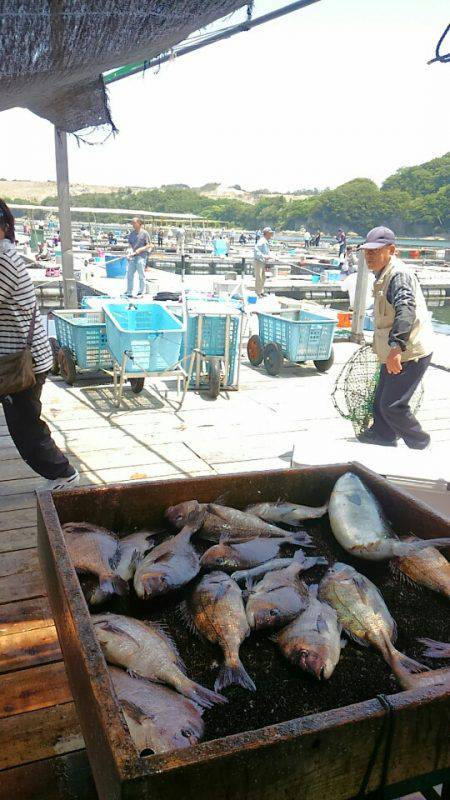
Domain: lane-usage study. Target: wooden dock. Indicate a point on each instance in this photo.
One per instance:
(41, 748)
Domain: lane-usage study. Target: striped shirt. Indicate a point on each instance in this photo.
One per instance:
(17, 303)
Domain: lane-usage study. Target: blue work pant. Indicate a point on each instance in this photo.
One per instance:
(136, 264)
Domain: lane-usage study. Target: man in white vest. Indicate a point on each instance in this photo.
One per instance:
(403, 342)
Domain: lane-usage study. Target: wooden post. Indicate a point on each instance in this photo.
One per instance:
(359, 307)
(65, 227)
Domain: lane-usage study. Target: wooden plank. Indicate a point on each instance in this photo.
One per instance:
(39, 734)
(27, 585)
(25, 615)
(67, 777)
(11, 502)
(20, 518)
(17, 539)
(30, 689)
(122, 474)
(29, 648)
(17, 563)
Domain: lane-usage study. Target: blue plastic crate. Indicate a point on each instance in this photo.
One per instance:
(84, 334)
(301, 335)
(213, 340)
(148, 333)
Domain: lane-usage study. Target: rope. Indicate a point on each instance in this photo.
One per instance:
(445, 58)
(386, 732)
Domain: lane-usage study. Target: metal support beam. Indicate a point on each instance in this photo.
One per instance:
(131, 69)
(65, 226)
(359, 308)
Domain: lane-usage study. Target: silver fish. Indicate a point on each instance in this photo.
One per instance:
(132, 550)
(244, 555)
(159, 719)
(360, 526)
(435, 649)
(313, 640)
(171, 564)
(214, 608)
(281, 595)
(428, 567)
(223, 522)
(287, 513)
(365, 617)
(96, 551)
(145, 649)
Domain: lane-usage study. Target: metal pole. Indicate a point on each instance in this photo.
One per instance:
(131, 69)
(359, 308)
(65, 229)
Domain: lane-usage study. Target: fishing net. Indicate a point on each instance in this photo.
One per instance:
(53, 52)
(355, 388)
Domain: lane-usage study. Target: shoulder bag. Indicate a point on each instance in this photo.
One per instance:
(17, 369)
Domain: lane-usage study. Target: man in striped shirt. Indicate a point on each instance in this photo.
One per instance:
(22, 410)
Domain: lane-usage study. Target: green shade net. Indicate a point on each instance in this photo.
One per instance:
(355, 388)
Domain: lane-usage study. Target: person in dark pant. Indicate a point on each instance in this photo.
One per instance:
(403, 342)
(22, 410)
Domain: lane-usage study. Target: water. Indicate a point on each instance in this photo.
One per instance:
(413, 242)
(440, 314)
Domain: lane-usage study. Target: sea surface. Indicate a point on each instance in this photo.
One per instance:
(440, 314)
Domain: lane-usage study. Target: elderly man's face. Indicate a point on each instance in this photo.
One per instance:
(136, 225)
(378, 259)
(268, 234)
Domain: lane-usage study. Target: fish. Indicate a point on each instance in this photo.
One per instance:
(132, 550)
(173, 563)
(435, 649)
(365, 617)
(247, 575)
(214, 608)
(146, 650)
(313, 639)
(244, 555)
(287, 513)
(97, 551)
(281, 595)
(360, 525)
(159, 719)
(223, 522)
(428, 568)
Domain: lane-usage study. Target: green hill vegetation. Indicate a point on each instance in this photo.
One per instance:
(413, 201)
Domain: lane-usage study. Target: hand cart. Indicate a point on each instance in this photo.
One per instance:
(145, 341)
(296, 335)
(80, 343)
(213, 346)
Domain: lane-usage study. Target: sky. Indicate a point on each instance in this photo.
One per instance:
(338, 90)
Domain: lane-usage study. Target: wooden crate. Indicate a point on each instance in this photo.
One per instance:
(314, 757)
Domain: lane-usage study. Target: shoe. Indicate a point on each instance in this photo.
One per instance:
(128, 294)
(370, 437)
(140, 294)
(419, 445)
(67, 482)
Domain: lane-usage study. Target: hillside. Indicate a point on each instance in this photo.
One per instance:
(36, 191)
(413, 201)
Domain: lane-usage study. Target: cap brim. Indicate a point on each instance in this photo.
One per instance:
(374, 245)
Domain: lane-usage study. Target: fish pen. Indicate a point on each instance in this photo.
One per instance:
(295, 736)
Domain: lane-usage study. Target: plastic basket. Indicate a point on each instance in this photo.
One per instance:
(301, 335)
(149, 334)
(213, 339)
(84, 334)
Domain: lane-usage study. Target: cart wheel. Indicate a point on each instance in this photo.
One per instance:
(273, 358)
(137, 384)
(214, 378)
(324, 366)
(67, 366)
(55, 350)
(255, 351)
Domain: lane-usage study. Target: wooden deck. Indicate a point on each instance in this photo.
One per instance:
(41, 748)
